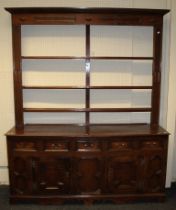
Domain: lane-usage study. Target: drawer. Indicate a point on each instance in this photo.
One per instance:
(23, 145)
(152, 144)
(119, 145)
(88, 146)
(56, 146)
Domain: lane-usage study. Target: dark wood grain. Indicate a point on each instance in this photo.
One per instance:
(89, 57)
(50, 163)
(40, 10)
(54, 57)
(58, 163)
(87, 87)
(53, 87)
(121, 87)
(87, 82)
(96, 16)
(17, 75)
(95, 130)
(140, 109)
(157, 52)
(120, 58)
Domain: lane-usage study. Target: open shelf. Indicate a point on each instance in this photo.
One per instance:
(54, 87)
(53, 57)
(88, 57)
(120, 58)
(91, 87)
(140, 109)
(99, 52)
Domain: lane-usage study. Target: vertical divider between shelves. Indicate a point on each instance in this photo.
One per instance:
(87, 69)
(157, 51)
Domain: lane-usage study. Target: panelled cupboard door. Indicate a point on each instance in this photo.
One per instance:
(154, 171)
(52, 175)
(21, 175)
(88, 175)
(122, 173)
(152, 160)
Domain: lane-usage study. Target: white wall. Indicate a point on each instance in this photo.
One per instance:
(168, 109)
(171, 125)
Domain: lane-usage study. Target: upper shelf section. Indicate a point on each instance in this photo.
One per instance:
(95, 16)
(88, 57)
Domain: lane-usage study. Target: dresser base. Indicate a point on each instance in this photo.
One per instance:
(56, 164)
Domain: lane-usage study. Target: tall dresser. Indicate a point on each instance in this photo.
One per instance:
(56, 162)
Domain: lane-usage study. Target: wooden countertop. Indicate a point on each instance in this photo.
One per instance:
(91, 131)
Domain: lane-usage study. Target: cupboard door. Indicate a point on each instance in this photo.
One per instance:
(154, 174)
(122, 172)
(21, 175)
(52, 175)
(88, 175)
(153, 164)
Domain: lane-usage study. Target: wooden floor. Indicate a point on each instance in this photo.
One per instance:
(170, 204)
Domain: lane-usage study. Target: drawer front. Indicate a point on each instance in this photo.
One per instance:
(88, 146)
(137, 143)
(56, 146)
(152, 144)
(119, 145)
(25, 145)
